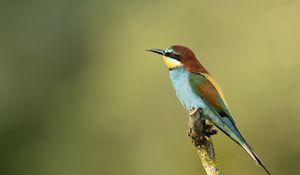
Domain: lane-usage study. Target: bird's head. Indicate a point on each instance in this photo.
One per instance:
(179, 56)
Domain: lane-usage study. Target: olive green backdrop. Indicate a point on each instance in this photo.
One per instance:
(80, 96)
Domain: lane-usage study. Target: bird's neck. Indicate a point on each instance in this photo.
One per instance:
(193, 65)
(179, 73)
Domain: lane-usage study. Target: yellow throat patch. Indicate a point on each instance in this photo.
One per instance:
(171, 63)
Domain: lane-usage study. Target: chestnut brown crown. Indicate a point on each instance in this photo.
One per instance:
(185, 56)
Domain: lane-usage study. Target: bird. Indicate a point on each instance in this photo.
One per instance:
(196, 89)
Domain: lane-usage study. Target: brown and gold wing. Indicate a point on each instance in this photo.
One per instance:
(208, 89)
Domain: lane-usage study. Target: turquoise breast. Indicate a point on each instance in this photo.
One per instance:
(186, 95)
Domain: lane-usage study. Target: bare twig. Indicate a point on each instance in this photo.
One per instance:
(200, 131)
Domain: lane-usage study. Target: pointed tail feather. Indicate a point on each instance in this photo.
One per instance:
(231, 131)
(254, 156)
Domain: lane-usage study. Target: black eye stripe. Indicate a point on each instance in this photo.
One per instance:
(173, 55)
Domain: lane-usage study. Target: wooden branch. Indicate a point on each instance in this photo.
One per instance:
(199, 132)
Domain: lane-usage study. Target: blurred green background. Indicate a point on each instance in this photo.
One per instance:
(80, 96)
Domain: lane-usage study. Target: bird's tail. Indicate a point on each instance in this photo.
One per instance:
(231, 130)
(254, 156)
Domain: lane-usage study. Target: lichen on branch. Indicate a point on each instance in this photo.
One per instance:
(200, 132)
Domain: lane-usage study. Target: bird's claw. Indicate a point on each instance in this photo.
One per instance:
(208, 129)
(201, 131)
(193, 111)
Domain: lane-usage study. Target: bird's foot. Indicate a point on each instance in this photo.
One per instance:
(208, 129)
(201, 128)
(193, 111)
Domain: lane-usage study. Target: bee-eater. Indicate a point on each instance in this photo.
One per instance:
(197, 89)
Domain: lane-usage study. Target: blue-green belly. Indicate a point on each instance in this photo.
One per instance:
(188, 98)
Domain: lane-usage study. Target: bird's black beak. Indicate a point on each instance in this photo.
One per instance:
(158, 51)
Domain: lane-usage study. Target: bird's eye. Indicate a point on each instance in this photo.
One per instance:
(171, 54)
